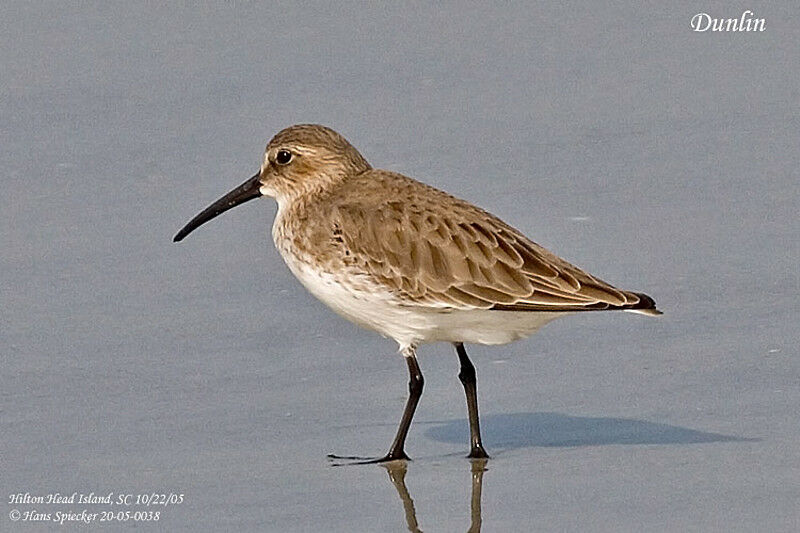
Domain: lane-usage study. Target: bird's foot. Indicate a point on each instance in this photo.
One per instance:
(343, 460)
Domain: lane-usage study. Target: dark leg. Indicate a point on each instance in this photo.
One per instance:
(415, 383)
(467, 377)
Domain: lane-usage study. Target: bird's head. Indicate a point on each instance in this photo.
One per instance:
(297, 159)
(305, 155)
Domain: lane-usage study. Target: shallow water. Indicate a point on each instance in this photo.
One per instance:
(659, 159)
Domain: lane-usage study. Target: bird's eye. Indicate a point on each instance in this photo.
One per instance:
(283, 157)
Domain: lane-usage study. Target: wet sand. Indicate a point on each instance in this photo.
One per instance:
(660, 159)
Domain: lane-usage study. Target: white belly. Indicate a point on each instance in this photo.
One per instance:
(411, 325)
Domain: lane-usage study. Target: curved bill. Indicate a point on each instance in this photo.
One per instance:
(243, 193)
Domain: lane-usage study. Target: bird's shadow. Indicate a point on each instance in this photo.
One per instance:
(525, 430)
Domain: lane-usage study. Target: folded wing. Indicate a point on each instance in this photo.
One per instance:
(463, 257)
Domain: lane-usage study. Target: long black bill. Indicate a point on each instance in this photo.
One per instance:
(243, 193)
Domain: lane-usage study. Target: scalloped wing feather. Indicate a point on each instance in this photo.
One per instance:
(432, 249)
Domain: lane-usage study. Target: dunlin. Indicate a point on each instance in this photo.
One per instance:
(409, 261)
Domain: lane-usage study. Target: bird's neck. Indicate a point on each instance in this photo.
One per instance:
(296, 205)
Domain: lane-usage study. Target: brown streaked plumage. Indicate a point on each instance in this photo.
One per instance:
(430, 248)
(410, 261)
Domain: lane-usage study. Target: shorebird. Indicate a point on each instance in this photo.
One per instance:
(409, 261)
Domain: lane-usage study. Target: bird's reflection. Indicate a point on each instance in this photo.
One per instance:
(478, 468)
(397, 475)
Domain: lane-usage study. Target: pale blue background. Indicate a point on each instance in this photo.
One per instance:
(657, 158)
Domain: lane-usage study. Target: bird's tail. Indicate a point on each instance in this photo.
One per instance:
(645, 306)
